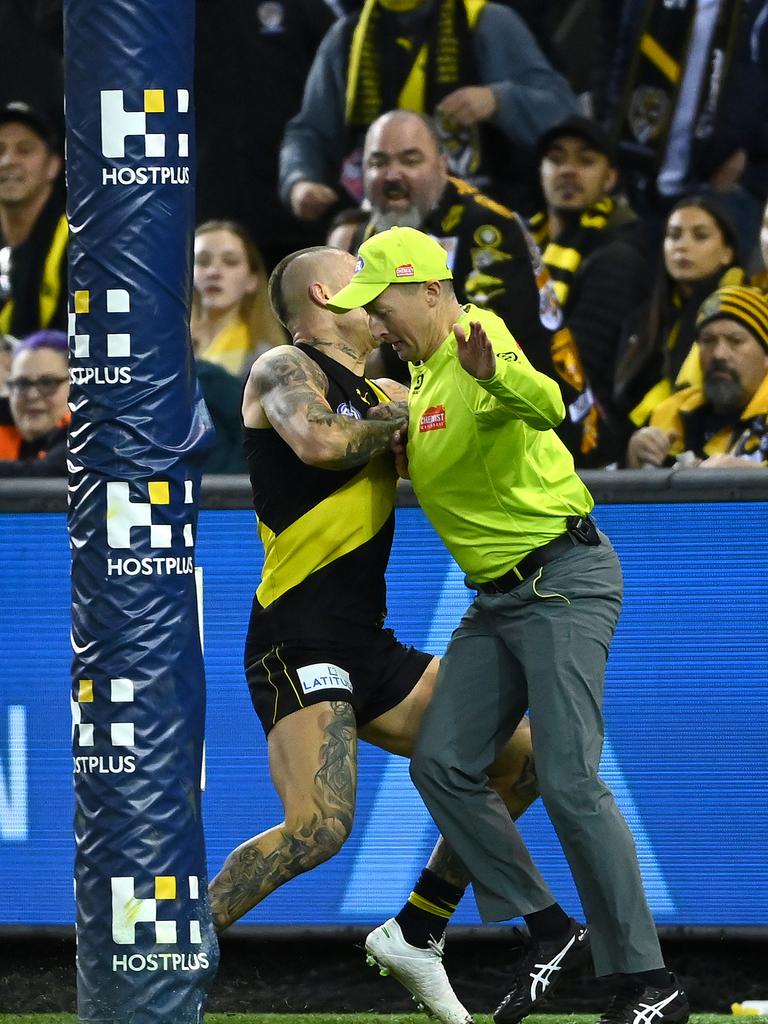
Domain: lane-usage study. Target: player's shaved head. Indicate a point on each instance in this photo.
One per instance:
(290, 281)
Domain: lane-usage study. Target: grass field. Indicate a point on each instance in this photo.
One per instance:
(353, 1018)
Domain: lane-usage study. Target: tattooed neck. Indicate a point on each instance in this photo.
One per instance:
(340, 350)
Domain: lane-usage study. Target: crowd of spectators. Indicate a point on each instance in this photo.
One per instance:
(597, 171)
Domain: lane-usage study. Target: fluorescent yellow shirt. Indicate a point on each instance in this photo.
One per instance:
(489, 471)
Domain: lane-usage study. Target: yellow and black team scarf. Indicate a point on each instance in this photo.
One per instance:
(391, 68)
(655, 74)
(564, 257)
(703, 432)
(561, 261)
(49, 296)
(387, 65)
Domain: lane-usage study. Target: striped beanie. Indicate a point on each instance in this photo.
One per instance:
(747, 306)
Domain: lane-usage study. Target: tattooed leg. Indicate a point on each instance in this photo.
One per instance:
(313, 763)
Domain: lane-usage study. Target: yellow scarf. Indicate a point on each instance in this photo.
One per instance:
(231, 348)
(364, 93)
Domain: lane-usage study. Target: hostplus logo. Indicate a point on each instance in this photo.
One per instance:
(116, 345)
(130, 912)
(145, 135)
(120, 736)
(130, 519)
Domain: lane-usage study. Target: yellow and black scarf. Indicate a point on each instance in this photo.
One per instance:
(390, 68)
(656, 70)
(564, 257)
(52, 273)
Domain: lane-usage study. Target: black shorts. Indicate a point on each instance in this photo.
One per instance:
(373, 673)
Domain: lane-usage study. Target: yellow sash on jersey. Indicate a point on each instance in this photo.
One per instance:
(344, 521)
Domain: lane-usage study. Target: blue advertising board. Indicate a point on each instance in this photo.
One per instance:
(686, 721)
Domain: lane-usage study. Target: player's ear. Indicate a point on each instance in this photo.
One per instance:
(318, 294)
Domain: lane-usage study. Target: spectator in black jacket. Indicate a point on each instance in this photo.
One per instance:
(35, 417)
(33, 225)
(592, 242)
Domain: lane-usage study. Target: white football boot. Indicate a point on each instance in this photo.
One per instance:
(419, 970)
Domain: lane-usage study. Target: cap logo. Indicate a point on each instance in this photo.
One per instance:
(404, 270)
(359, 265)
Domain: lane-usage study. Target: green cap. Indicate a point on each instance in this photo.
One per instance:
(396, 256)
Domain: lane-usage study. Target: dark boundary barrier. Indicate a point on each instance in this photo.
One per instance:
(630, 486)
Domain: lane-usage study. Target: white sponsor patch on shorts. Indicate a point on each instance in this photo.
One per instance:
(323, 677)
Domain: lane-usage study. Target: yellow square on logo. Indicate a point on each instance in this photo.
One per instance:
(154, 101)
(85, 691)
(82, 301)
(159, 492)
(165, 887)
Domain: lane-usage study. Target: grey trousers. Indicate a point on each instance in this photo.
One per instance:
(542, 646)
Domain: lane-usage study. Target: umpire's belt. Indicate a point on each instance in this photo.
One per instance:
(581, 530)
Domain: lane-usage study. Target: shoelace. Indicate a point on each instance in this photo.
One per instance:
(438, 948)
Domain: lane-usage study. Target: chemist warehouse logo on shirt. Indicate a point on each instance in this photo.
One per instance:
(432, 419)
(146, 134)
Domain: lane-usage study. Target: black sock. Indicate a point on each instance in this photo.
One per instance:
(428, 909)
(660, 978)
(548, 924)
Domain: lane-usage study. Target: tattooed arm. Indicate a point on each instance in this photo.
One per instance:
(287, 390)
(397, 404)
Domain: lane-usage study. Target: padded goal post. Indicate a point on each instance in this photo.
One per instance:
(147, 950)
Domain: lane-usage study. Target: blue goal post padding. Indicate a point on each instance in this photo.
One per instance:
(146, 946)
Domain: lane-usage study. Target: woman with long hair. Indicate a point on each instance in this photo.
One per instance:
(658, 354)
(232, 322)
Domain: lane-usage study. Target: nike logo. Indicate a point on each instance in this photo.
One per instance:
(76, 646)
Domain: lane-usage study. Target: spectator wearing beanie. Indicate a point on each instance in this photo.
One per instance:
(722, 423)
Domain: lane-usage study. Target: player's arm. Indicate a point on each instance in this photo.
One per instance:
(291, 390)
(397, 406)
(529, 395)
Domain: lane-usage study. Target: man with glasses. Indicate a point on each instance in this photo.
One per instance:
(35, 416)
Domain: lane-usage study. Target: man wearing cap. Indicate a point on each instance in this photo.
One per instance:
(592, 242)
(500, 489)
(33, 225)
(724, 423)
(493, 260)
(321, 667)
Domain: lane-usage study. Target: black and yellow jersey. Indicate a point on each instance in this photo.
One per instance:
(327, 534)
